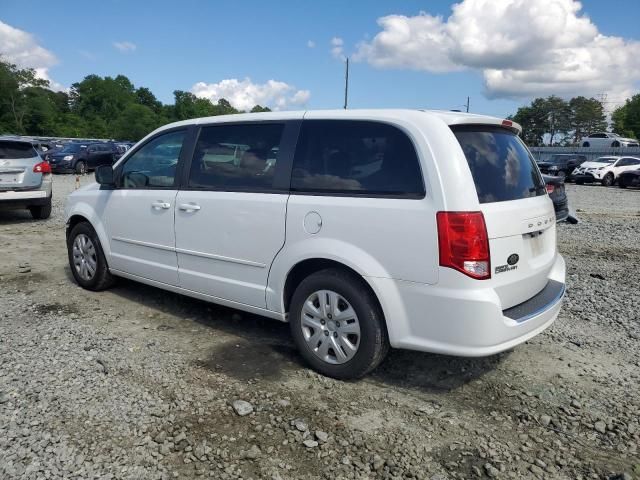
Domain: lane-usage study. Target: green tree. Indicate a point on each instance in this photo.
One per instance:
(14, 95)
(625, 120)
(587, 117)
(260, 108)
(135, 122)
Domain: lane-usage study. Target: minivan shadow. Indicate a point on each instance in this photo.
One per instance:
(263, 348)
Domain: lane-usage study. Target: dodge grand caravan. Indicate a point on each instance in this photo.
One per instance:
(364, 230)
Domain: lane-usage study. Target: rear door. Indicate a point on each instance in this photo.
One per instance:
(230, 213)
(519, 214)
(17, 160)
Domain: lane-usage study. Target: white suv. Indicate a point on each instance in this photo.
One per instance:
(363, 229)
(608, 139)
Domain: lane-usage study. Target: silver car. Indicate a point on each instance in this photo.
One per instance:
(25, 179)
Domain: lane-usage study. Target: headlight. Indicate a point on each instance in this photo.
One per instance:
(68, 157)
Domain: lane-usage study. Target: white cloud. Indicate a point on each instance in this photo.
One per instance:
(21, 48)
(522, 47)
(337, 48)
(244, 94)
(125, 47)
(311, 44)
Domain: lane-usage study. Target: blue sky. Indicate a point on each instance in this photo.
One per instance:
(178, 44)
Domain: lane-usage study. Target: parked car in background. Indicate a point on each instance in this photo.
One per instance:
(25, 179)
(630, 178)
(608, 140)
(81, 158)
(604, 170)
(290, 228)
(561, 165)
(558, 194)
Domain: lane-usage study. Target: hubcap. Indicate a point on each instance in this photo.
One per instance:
(85, 259)
(330, 327)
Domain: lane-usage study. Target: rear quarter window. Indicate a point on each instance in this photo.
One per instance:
(352, 157)
(15, 150)
(501, 165)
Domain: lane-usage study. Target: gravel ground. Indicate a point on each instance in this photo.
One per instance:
(137, 383)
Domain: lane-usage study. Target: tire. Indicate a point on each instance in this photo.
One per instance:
(372, 343)
(608, 180)
(562, 174)
(586, 144)
(41, 212)
(81, 167)
(101, 278)
(621, 183)
(579, 182)
(615, 144)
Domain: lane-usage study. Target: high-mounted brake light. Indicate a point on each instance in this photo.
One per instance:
(42, 167)
(550, 189)
(463, 243)
(507, 123)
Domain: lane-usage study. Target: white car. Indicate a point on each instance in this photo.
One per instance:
(605, 170)
(608, 140)
(363, 229)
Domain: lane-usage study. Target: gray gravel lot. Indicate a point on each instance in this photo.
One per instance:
(137, 383)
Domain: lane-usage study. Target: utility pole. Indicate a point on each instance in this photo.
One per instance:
(467, 105)
(346, 83)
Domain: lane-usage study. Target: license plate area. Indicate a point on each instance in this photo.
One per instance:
(536, 242)
(10, 178)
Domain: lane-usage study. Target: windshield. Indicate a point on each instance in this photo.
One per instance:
(15, 150)
(72, 148)
(501, 166)
(604, 160)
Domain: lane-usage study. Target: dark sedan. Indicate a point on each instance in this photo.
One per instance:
(630, 178)
(555, 188)
(561, 165)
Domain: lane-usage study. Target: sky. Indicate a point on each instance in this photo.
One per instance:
(290, 54)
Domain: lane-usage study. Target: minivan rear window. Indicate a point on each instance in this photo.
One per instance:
(17, 150)
(501, 166)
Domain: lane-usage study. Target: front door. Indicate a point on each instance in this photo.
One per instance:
(230, 215)
(140, 210)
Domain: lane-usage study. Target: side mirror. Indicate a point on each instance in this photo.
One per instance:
(104, 175)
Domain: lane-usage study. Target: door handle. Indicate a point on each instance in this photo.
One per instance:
(160, 204)
(189, 207)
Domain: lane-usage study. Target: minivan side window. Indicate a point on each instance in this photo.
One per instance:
(236, 157)
(353, 157)
(154, 164)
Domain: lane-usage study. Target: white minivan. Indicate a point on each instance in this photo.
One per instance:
(364, 229)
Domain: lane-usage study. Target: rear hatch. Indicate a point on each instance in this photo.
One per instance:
(17, 160)
(518, 213)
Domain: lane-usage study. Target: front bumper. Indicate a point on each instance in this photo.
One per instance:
(587, 177)
(469, 323)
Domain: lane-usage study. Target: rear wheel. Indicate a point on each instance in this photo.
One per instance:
(337, 324)
(608, 180)
(586, 144)
(615, 144)
(86, 259)
(81, 167)
(41, 212)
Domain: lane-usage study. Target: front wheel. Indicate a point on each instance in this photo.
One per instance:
(337, 324)
(86, 259)
(608, 180)
(586, 144)
(81, 167)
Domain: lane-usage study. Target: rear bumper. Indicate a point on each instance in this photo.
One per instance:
(468, 323)
(26, 198)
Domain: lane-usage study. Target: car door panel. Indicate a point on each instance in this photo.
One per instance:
(140, 211)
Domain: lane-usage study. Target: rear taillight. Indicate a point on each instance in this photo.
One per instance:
(550, 189)
(463, 243)
(42, 167)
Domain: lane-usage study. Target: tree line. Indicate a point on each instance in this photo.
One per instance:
(96, 107)
(555, 121)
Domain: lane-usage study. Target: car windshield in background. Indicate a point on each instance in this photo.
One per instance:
(605, 160)
(73, 148)
(16, 150)
(501, 166)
